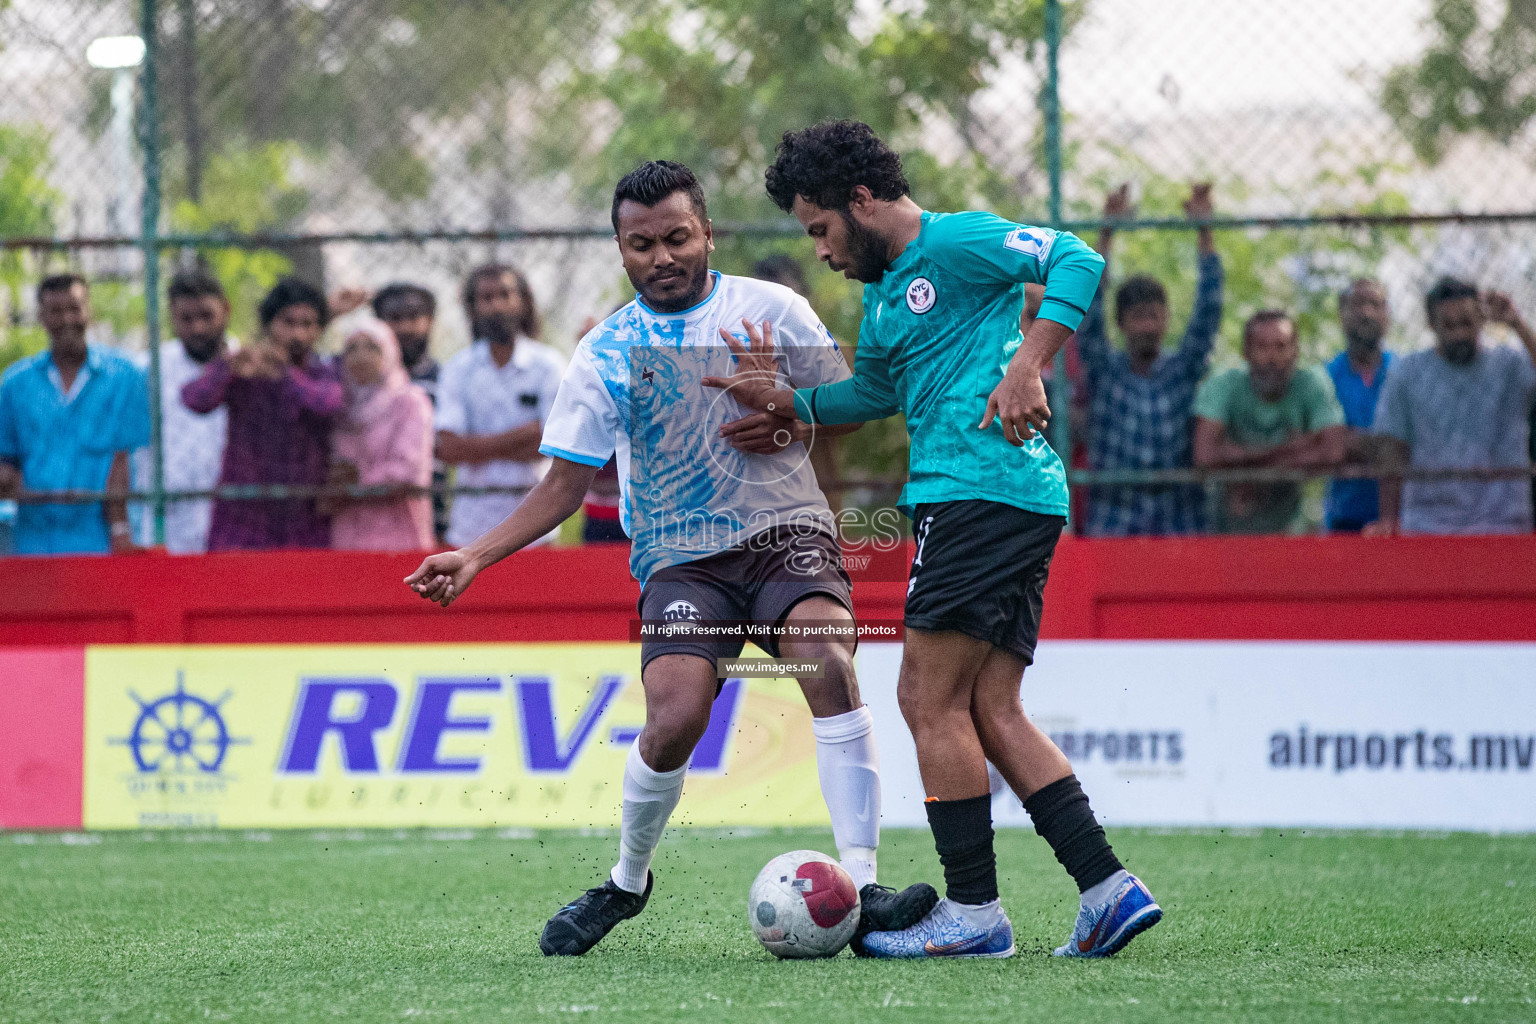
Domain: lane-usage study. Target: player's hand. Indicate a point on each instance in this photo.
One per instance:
(763, 433)
(757, 371)
(443, 577)
(1019, 402)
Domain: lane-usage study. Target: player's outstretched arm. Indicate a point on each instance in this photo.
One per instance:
(444, 577)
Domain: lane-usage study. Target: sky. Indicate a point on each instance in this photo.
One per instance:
(1221, 55)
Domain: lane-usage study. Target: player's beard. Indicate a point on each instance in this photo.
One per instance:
(1459, 353)
(866, 251)
(1270, 384)
(498, 328)
(698, 284)
(201, 348)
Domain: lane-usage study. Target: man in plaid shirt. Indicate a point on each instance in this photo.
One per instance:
(1141, 401)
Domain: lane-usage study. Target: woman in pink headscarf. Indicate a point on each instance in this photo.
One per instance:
(385, 438)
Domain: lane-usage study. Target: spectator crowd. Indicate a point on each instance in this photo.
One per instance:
(355, 451)
(345, 448)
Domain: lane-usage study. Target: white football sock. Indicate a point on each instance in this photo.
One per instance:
(1101, 892)
(849, 767)
(649, 797)
(977, 915)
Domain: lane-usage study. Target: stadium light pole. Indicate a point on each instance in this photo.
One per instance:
(120, 55)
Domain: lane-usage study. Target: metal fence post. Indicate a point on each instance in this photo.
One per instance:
(149, 242)
(1061, 387)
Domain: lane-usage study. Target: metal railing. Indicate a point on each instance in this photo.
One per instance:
(1056, 138)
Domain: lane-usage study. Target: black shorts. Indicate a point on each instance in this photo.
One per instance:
(980, 569)
(759, 580)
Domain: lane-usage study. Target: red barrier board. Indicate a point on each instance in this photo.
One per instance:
(1342, 588)
(1226, 588)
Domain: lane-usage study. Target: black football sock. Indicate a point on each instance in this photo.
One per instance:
(1063, 818)
(962, 833)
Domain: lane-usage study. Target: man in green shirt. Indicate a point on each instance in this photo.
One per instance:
(940, 342)
(1268, 413)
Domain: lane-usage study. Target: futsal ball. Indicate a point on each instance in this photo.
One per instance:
(803, 905)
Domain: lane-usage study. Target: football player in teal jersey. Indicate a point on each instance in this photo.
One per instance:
(940, 342)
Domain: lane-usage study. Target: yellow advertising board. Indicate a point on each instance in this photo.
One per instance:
(416, 734)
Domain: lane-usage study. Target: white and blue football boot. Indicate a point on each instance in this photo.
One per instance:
(945, 932)
(1105, 928)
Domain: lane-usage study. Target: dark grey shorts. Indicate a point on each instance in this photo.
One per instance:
(759, 580)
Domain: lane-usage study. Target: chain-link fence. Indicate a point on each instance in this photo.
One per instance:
(357, 142)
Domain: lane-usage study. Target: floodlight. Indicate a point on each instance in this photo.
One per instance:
(115, 52)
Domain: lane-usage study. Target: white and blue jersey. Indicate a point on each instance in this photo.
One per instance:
(634, 389)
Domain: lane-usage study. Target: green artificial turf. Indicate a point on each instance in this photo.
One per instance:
(387, 926)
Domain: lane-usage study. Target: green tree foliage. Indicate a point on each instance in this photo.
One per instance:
(1475, 77)
(715, 83)
(27, 207)
(244, 189)
(354, 78)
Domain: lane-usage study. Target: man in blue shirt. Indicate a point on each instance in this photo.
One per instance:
(1141, 400)
(940, 342)
(68, 419)
(1358, 374)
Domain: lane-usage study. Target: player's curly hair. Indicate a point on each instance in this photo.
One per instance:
(826, 161)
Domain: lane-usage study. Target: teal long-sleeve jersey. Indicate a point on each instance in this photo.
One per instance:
(937, 335)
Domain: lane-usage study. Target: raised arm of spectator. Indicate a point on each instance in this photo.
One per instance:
(1501, 310)
(1117, 207)
(208, 391)
(317, 389)
(1205, 321)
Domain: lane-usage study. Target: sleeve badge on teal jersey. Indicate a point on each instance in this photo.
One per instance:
(921, 295)
(1031, 242)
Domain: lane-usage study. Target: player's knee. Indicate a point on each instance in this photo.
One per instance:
(835, 689)
(673, 727)
(924, 710)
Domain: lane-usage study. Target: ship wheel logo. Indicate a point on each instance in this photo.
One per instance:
(180, 732)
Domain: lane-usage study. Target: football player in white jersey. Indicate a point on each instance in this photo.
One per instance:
(727, 524)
